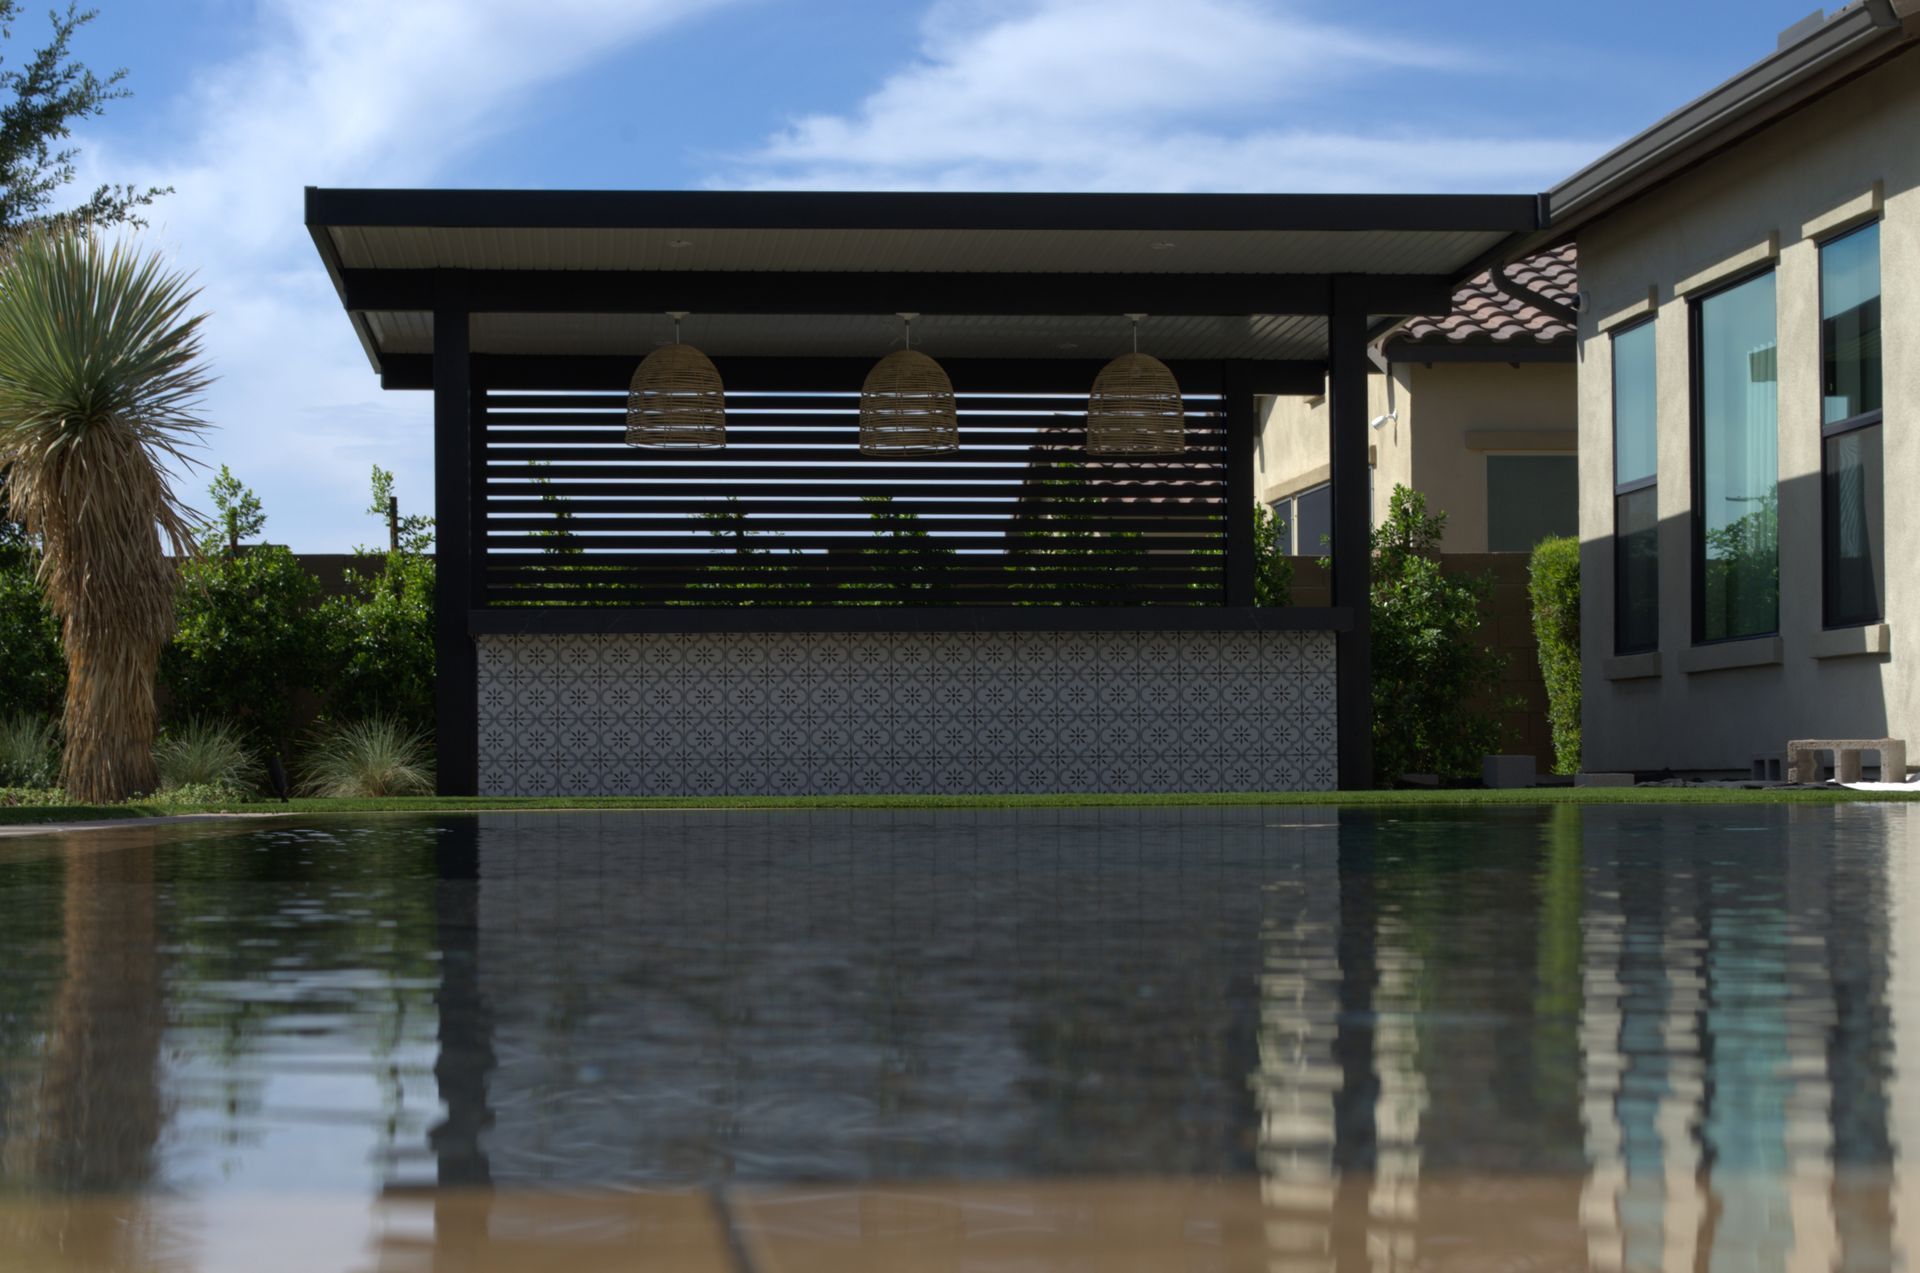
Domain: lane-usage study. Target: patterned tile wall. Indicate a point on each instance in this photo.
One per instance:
(825, 713)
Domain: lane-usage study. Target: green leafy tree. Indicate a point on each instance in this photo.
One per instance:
(558, 539)
(1553, 585)
(738, 569)
(1272, 567)
(1430, 667)
(411, 533)
(1741, 578)
(246, 646)
(1055, 539)
(40, 100)
(381, 659)
(33, 670)
(913, 566)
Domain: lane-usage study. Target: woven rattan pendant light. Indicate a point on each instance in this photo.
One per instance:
(906, 405)
(675, 401)
(1135, 406)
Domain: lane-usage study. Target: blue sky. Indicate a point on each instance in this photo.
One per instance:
(240, 103)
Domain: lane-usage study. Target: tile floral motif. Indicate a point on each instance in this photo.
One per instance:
(750, 713)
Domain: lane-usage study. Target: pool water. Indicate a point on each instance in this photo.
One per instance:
(1214, 1038)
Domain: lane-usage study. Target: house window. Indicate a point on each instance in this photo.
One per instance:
(1853, 557)
(1309, 519)
(1636, 547)
(1736, 509)
(1531, 498)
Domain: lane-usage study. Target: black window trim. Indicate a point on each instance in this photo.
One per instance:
(1696, 441)
(1637, 484)
(1865, 420)
(1293, 499)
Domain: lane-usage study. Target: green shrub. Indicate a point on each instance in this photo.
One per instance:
(379, 631)
(33, 669)
(245, 643)
(32, 797)
(201, 753)
(1429, 665)
(1553, 584)
(379, 756)
(380, 634)
(201, 795)
(1273, 568)
(29, 751)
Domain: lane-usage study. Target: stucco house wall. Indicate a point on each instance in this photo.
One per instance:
(1768, 197)
(1450, 417)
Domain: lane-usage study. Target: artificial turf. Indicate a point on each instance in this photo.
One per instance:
(1418, 797)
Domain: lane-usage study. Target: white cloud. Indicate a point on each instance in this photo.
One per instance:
(345, 92)
(1147, 95)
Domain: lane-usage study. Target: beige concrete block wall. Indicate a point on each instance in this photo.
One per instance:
(1765, 190)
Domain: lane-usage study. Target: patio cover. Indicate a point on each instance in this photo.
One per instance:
(1246, 295)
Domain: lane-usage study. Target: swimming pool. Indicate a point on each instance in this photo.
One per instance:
(1586, 1037)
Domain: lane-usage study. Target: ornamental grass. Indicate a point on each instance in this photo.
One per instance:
(369, 759)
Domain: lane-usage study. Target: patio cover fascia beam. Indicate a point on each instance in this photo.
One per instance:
(870, 210)
(991, 375)
(837, 292)
(568, 620)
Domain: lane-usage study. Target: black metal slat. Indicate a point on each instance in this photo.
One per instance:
(853, 523)
(1001, 487)
(843, 443)
(1013, 504)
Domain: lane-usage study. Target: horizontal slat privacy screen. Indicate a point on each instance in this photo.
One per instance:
(791, 514)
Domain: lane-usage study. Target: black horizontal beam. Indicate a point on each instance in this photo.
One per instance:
(824, 292)
(866, 210)
(969, 375)
(1039, 618)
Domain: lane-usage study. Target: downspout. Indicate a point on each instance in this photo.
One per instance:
(1377, 355)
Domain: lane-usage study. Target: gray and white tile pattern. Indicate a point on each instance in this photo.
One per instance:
(985, 712)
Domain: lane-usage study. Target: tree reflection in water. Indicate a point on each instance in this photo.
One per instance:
(1610, 1038)
(92, 1123)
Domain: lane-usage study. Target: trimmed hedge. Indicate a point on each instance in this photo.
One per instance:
(1553, 584)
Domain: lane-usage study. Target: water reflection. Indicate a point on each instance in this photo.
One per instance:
(1610, 1038)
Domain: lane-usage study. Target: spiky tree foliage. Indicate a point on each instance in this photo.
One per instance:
(100, 376)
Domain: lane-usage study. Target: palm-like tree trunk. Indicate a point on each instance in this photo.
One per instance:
(100, 1103)
(113, 591)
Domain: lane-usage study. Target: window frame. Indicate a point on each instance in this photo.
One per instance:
(1491, 457)
(1311, 550)
(1697, 426)
(1828, 431)
(1620, 488)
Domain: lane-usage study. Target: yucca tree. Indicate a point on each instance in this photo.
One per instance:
(100, 375)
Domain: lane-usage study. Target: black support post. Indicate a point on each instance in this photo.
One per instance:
(1352, 526)
(456, 670)
(1243, 428)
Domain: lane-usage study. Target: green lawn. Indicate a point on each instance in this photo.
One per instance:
(1415, 798)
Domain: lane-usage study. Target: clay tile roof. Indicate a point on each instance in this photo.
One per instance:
(1487, 313)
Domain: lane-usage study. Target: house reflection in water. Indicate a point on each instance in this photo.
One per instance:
(1606, 1038)
(1696, 1065)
